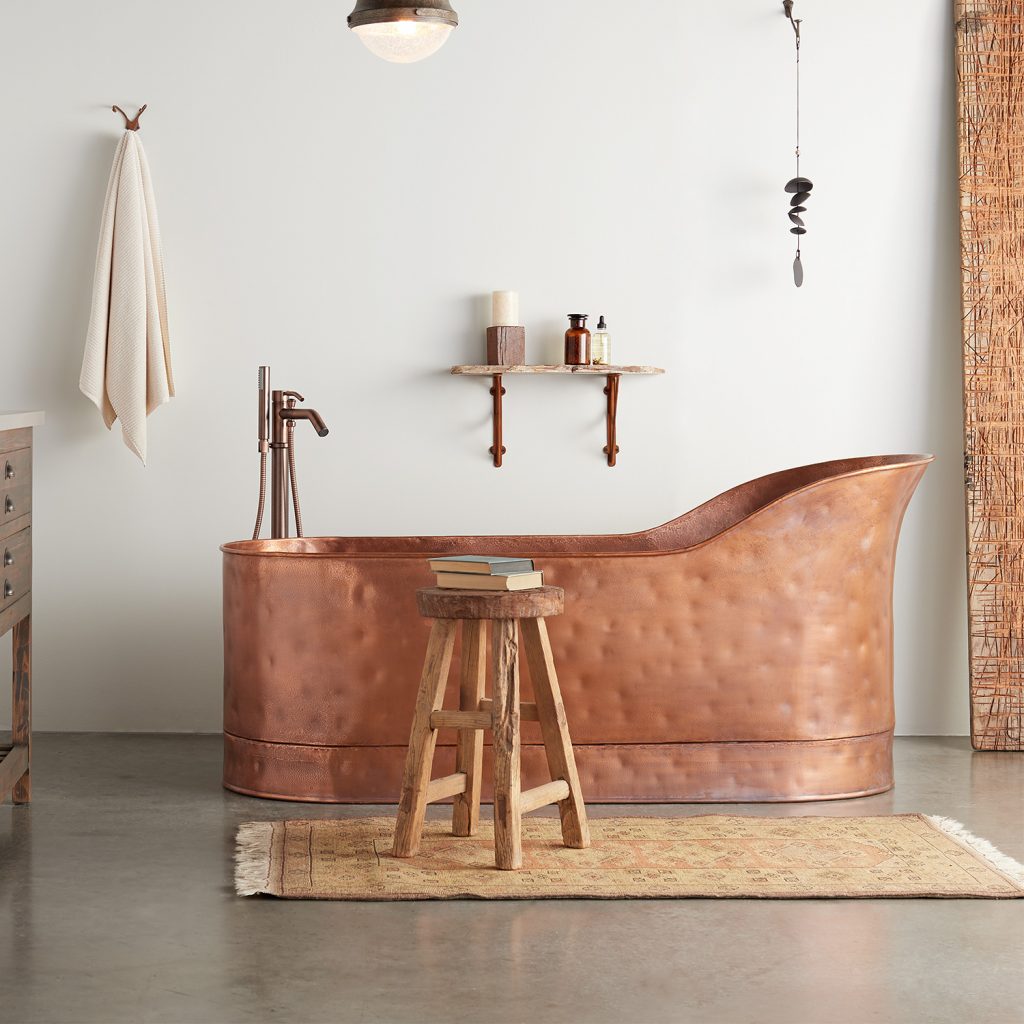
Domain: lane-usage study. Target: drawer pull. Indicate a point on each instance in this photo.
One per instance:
(8, 589)
(8, 505)
(8, 557)
(8, 472)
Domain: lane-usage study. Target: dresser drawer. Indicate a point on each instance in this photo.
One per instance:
(15, 567)
(15, 484)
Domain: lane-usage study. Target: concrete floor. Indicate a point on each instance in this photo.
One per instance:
(117, 905)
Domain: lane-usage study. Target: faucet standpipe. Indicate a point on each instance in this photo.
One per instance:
(277, 419)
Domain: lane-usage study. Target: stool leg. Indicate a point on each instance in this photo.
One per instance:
(469, 753)
(555, 729)
(418, 762)
(508, 844)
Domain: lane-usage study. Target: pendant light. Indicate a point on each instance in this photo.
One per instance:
(402, 32)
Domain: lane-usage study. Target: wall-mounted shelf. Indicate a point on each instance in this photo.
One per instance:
(612, 375)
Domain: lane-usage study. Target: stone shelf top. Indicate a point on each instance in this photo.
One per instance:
(591, 369)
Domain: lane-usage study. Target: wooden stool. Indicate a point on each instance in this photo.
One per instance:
(502, 714)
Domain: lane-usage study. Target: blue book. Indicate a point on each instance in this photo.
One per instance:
(485, 565)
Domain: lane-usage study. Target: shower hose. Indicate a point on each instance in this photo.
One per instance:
(263, 496)
(292, 476)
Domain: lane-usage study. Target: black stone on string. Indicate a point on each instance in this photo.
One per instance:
(800, 189)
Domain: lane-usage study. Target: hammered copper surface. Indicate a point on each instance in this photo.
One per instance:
(740, 652)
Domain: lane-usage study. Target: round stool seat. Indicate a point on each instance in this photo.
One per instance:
(438, 603)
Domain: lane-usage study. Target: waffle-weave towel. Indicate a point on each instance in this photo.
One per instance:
(126, 371)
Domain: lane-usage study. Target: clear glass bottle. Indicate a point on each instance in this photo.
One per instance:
(601, 345)
(577, 341)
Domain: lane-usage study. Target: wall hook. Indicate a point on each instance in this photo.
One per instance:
(787, 6)
(130, 124)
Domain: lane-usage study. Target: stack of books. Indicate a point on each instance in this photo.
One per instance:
(486, 572)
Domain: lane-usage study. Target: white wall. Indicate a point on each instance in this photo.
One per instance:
(340, 218)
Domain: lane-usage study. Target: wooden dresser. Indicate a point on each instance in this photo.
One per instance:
(16, 595)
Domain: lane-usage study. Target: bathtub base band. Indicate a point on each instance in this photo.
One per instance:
(706, 772)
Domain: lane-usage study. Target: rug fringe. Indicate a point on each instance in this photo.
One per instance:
(252, 857)
(1011, 868)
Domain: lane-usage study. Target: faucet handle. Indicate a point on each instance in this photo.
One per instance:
(294, 394)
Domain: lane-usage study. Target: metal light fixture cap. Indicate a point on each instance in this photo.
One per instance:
(376, 12)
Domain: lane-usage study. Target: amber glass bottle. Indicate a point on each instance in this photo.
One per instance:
(577, 341)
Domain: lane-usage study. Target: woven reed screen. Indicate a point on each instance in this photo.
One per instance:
(990, 67)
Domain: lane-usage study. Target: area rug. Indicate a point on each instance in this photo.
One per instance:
(710, 856)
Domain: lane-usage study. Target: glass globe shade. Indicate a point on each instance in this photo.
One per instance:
(404, 42)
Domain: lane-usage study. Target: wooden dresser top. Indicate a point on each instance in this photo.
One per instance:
(17, 420)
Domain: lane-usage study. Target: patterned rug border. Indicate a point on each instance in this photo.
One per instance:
(255, 861)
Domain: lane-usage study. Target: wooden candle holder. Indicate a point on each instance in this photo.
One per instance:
(506, 346)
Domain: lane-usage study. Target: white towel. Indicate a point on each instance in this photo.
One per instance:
(126, 371)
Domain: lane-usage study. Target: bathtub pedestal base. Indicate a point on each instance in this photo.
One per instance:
(609, 773)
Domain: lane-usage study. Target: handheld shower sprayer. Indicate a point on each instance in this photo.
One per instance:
(277, 416)
(264, 409)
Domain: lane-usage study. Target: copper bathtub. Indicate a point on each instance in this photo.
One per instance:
(742, 652)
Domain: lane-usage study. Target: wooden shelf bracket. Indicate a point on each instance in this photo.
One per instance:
(612, 374)
(498, 449)
(611, 389)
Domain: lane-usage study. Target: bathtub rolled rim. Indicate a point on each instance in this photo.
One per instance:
(872, 464)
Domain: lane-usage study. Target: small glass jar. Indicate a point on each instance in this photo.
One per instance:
(577, 341)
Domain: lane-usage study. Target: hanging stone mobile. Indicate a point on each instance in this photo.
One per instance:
(799, 188)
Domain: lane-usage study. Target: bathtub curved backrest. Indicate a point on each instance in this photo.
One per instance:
(690, 530)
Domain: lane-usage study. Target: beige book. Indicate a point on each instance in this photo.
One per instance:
(474, 581)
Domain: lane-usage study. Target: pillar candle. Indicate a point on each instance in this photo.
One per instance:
(505, 309)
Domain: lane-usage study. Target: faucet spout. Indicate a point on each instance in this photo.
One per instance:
(306, 414)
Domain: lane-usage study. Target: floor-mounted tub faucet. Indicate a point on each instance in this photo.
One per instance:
(278, 414)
